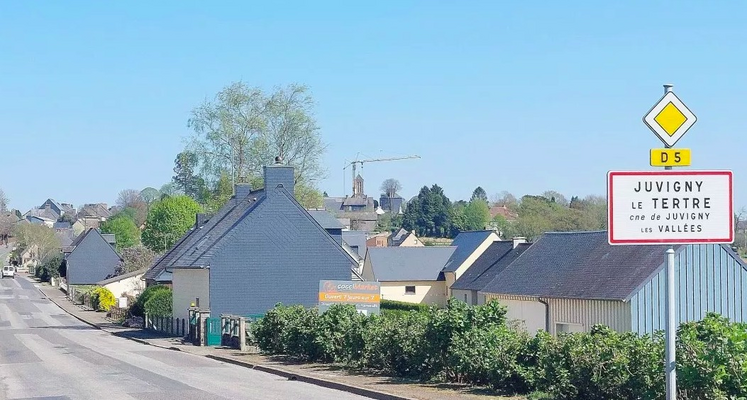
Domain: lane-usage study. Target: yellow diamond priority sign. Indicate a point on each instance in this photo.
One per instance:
(669, 119)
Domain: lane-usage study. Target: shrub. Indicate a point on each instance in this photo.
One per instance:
(138, 307)
(339, 334)
(102, 299)
(159, 304)
(712, 358)
(395, 344)
(403, 306)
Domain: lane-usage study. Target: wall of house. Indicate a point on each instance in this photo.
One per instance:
(467, 296)
(581, 315)
(426, 292)
(411, 241)
(187, 285)
(92, 260)
(525, 312)
(707, 279)
(133, 285)
(277, 253)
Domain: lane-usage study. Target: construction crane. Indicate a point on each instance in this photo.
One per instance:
(355, 163)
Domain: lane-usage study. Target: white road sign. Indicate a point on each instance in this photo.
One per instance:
(669, 119)
(670, 207)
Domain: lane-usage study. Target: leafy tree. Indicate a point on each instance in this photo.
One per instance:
(126, 233)
(168, 190)
(185, 177)
(429, 214)
(308, 196)
(479, 193)
(149, 195)
(476, 214)
(168, 220)
(220, 194)
(244, 128)
(40, 238)
(555, 197)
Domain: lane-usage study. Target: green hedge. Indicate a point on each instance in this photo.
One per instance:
(159, 304)
(402, 306)
(138, 308)
(472, 344)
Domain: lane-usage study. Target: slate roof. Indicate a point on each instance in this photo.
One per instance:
(61, 225)
(356, 240)
(392, 264)
(325, 219)
(190, 237)
(98, 210)
(45, 213)
(579, 265)
(66, 237)
(466, 244)
(120, 277)
(356, 201)
(490, 263)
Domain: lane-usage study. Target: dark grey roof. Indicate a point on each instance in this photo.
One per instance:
(61, 225)
(356, 240)
(110, 238)
(46, 213)
(190, 237)
(390, 264)
(97, 210)
(490, 263)
(164, 277)
(214, 230)
(466, 243)
(66, 237)
(325, 219)
(580, 265)
(333, 204)
(356, 201)
(399, 235)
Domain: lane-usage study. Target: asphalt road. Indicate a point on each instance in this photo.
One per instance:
(47, 354)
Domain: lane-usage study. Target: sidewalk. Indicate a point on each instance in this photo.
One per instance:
(377, 387)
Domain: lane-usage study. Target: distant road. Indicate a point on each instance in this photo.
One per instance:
(47, 354)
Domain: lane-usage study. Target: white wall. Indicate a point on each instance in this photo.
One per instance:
(467, 296)
(188, 284)
(526, 312)
(132, 286)
(426, 292)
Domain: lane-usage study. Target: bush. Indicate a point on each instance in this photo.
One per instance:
(712, 358)
(159, 304)
(403, 306)
(394, 344)
(102, 299)
(339, 334)
(138, 307)
(48, 270)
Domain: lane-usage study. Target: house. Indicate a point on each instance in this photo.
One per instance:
(91, 258)
(335, 229)
(487, 266)
(129, 284)
(570, 281)
(393, 205)
(91, 216)
(358, 211)
(261, 248)
(409, 274)
(62, 226)
(504, 212)
(378, 240)
(469, 246)
(403, 238)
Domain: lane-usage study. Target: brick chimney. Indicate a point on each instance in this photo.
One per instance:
(278, 174)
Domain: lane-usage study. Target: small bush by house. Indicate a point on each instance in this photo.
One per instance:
(138, 307)
(159, 304)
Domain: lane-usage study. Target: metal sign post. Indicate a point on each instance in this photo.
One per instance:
(670, 207)
(671, 327)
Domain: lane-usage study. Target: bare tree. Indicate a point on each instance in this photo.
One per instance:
(7, 223)
(390, 187)
(134, 259)
(128, 198)
(504, 199)
(3, 202)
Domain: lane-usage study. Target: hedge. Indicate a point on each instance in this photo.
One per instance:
(403, 306)
(474, 345)
(138, 307)
(159, 304)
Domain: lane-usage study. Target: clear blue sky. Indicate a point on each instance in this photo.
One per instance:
(517, 96)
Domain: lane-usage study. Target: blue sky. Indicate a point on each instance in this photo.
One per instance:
(517, 96)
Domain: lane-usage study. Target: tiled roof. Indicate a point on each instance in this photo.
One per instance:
(466, 243)
(580, 265)
(490, 263)
(392, 264)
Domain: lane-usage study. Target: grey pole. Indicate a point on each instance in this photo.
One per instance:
(671, 328)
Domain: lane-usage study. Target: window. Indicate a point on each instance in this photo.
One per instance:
(568, 328)
(465, 297)
(409, 289)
